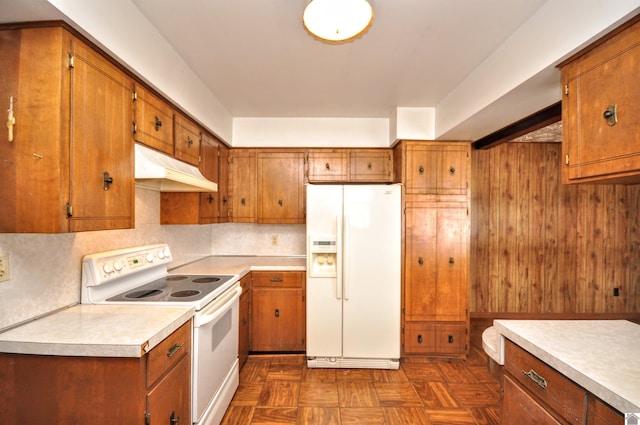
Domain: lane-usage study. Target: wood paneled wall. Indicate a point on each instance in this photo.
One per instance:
(538, 246)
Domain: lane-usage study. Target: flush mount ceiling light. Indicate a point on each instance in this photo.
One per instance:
(337, 21)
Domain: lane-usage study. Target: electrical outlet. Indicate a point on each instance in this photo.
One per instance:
(274, 240)
(4, 267)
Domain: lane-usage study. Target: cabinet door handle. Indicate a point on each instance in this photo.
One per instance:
(421, 170)
(611, 114)
(450, 339)
(173, 350)
(419, 338)
(452, 170)
(243, 201)
(189, 141)
(420, 261)
(173, 419)
(158, 123)
(280, 202)
(277, 313)
(542, 383)
(327, 166)
(452, 261)
(276, 279)
(107, 180)
(224, 200)
(369, 166)
(210, 198)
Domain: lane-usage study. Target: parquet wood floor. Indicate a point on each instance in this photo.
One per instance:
(424, 391)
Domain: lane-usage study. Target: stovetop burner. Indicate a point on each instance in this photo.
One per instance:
(175, 288)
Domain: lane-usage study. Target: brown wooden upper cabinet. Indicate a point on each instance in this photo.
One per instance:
(242, 180)
(153, 125)
(187, 140)
(600, 110)
(281, 196)
(69, 165)
(350, 165)
(436, 168)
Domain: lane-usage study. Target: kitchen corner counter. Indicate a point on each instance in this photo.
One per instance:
(96, 331)
(242, 265)
(599, 355)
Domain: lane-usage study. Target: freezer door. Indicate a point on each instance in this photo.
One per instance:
(324, 294)
(371, 271)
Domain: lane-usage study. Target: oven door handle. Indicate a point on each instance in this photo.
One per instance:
(218, 307)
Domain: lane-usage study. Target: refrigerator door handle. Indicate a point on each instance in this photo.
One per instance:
(345, 258)
(339, 257)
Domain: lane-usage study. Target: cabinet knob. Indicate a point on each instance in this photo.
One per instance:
(173, 419)
(277, 313)
(450, 339)
(611, 114)
(369, 166)
(327, 166)
(452, 170)
(107, 180)
(224, 200)
(419, 338)
(158, 123)
(451, 261)
(421, 170)
(189, 141)
(280, 202)
(210, 198)
(420, 261)
(243, 201)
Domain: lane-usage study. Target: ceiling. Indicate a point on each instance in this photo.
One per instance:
(258, 60)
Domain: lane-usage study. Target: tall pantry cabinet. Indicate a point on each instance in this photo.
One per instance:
(436, 195)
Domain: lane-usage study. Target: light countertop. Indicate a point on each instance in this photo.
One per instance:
(242, 265)
(96, 331)
(602, 356)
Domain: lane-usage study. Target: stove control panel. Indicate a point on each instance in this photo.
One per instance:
(106, 266)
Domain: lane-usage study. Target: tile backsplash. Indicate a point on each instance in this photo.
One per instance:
(46, 269)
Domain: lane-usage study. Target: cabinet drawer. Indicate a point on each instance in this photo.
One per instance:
(435, 338)
(600, 413)
(169, 352)
(277, 279)
(550, 386)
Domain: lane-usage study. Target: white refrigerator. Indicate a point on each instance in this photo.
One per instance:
(353, 276)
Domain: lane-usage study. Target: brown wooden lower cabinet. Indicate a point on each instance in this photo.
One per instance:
(278, 311)
(245, 320)
(535, 393)
(152, 389)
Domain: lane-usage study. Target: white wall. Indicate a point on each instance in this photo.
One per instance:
(305, 132)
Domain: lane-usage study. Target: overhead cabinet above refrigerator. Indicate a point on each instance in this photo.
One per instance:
(353, 276)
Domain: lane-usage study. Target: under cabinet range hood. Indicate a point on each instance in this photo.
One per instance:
(157, 171)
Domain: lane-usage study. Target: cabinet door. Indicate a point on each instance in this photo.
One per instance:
(595, 83)
(153, 121)
(519, 407)
(224, 203)
(243, 185)
(187, 140)
(34, 168)
(277, 319)
(371, 165)
(327, 166)
(280, 187)
(436, 262)
(210, 169)
(102, 174)
(170, 400)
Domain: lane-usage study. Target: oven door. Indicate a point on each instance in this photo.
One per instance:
(215, 357)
